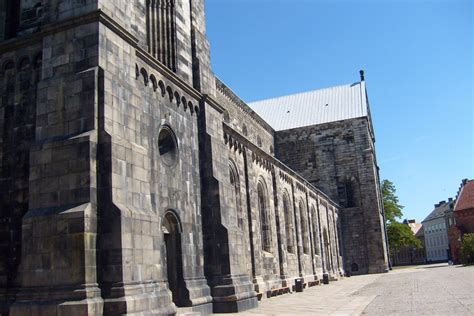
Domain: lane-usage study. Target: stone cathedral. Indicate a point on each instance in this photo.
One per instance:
(134, 182)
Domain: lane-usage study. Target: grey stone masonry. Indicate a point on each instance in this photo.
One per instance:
(134, 182)
(339, 158)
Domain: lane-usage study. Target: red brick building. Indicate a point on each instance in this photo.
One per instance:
(463, 217)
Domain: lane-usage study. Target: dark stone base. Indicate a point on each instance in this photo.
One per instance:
(136, 299)
(204, 309)
(233, 294)
(90, 306)
(199, 293)
(235, 306)
(6, 300)
(66, 300)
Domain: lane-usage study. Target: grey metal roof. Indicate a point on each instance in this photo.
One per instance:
(314, 107)
(439, 210)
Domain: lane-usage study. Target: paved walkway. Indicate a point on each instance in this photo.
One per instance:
(433, 289)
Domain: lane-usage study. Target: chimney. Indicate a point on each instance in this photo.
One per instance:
(362, 77)
(439, 203)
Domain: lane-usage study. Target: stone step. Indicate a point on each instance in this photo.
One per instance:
(187, 311)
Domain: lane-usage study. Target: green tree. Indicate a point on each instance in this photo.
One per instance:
(399, 235)
(393, 209)
(467, 249)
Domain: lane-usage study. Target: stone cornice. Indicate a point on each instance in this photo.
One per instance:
(48, 29)
(63, 25)
(241, 141)
(101, 17)
(231, 96)
(212, 102)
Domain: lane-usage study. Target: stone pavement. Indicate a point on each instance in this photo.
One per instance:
(430, 289)
(433, 290)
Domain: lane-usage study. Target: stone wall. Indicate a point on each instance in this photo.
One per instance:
(243, 119)
(288, 197)
(339, 159)
(146, 184)
(19, 76)
(117, 195)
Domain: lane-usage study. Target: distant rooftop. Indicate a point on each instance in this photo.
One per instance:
(440, 209)
(466, 196)
(414, 226)
(314, 107)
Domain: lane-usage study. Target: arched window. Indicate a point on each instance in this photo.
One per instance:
(350, 193)
(327, 254)
(316, 240)
(304, 228)
(289, 227)
(265, 228)
(234, 181)
(245, 130)
(11, 18)
(339, 234)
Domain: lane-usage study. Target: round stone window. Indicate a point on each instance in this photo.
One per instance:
(168, 146)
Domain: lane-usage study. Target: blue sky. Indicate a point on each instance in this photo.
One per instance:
(418, 59)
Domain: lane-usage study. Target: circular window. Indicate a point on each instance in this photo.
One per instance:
(168, 146)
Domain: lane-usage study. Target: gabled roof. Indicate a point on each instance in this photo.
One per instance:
(466, 197)
(420, 233)
(439, 211)
(314, 107)
(415, 227)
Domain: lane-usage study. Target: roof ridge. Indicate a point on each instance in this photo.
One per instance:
(465, 198)
(305, 92)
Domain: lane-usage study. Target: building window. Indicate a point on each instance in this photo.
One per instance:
(289, 227)
(304, 227)
(167, 146)
(245, 131)
(349, 195)
(161, 31)
(348, 192)
(11, 18)
(234, 181)
(265, 228)
(316, 241)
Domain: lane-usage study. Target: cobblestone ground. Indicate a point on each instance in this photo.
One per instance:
(433, 290)
(421, 290)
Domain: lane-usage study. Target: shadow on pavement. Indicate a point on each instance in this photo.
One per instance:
(435, 266)
(464, 266)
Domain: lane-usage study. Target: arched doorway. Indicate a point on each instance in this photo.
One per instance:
(174, 259)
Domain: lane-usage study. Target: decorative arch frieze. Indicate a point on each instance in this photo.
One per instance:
(166, 90)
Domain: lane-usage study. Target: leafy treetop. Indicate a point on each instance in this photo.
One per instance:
(399, 235)
(393, 209)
